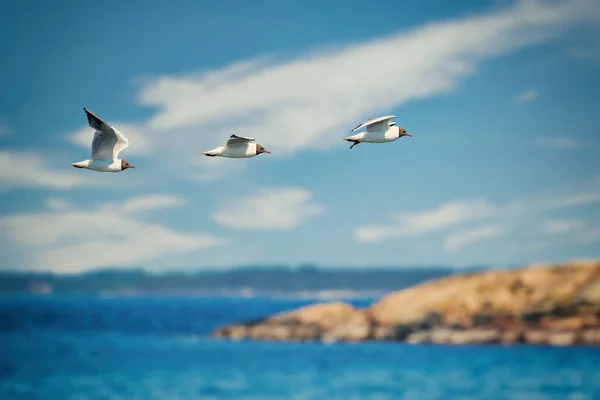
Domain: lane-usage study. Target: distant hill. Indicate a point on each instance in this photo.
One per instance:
(253, 279)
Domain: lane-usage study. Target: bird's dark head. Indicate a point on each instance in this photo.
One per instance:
(402, 132)
(260, 149)
(125, 165)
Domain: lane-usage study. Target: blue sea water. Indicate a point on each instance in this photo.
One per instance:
(58, 348)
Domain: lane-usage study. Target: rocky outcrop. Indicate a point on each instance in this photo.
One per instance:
(541, 304)
(328, 322)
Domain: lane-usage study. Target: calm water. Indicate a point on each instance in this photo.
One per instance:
(136, 348)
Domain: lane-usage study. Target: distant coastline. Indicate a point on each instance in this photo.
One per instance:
(303, 282)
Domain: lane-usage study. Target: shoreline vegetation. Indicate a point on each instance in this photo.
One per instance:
(539, 304)
(248, 281)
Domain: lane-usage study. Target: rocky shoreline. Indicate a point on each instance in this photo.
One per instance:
(555, 305)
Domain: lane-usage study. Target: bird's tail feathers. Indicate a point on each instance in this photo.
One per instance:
(212, 153)
(80, 164)
(355, 137)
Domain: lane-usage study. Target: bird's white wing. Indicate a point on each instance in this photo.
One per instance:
(238, 141)
(122, 142)
(108, 142)
(376, 124)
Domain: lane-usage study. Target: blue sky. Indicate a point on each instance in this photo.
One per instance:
(501, 98)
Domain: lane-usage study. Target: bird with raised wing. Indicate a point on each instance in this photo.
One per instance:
(378, 130)
(237, 147)
(108, 142)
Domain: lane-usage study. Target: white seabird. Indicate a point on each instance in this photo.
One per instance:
(237, 147)
(378, 130)
(107, 144)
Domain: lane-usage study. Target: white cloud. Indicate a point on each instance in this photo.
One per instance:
(562, 142)
(417, 223)
(576, 199)
(149, 203)
(561, 226)
(455, 241)
(527, 96)
(269, 209)
(457, 214)
(25, 169)
(57, 204)
(556, 236)
(210, 169)
(288, 104)
(108, 235)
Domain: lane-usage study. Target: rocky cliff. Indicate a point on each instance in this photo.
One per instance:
(539, 304)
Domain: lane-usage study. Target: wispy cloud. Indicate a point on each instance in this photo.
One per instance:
(567, 232)
(456, 240)
(527, 96)
(269, 209)
(562, 142)
(322, 94)
(68, 239)
(149, 203)
(417, 223)
(451, 218)
(27, 169)
(561, 226)
(57, 204)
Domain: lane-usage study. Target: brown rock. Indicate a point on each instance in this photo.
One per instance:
(280, 332)
(591, 292)
(382, 332)
(237, 332)
(349, 333)
(476, 336)
(459, 299)
(512, 337)
(260, 331)
(326, 315)
(306, 332)
(570, 323)
(441, 335)
(566, 338)
(419, 337)
(335, 321)
(536, 337)
(590, 337)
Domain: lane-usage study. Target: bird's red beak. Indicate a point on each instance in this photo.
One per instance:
(131, 166)
(408, 134)
(267, 151)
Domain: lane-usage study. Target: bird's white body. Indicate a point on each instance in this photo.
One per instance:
(234, 151)
(99, 165)
(237, 147)
(108, 142)
(382, 136)
(377, 130)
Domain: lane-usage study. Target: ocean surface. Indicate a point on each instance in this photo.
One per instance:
(59, 348)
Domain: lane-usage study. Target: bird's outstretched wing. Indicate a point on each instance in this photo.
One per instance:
(238, 141)
(376, 124)
(108, 142)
